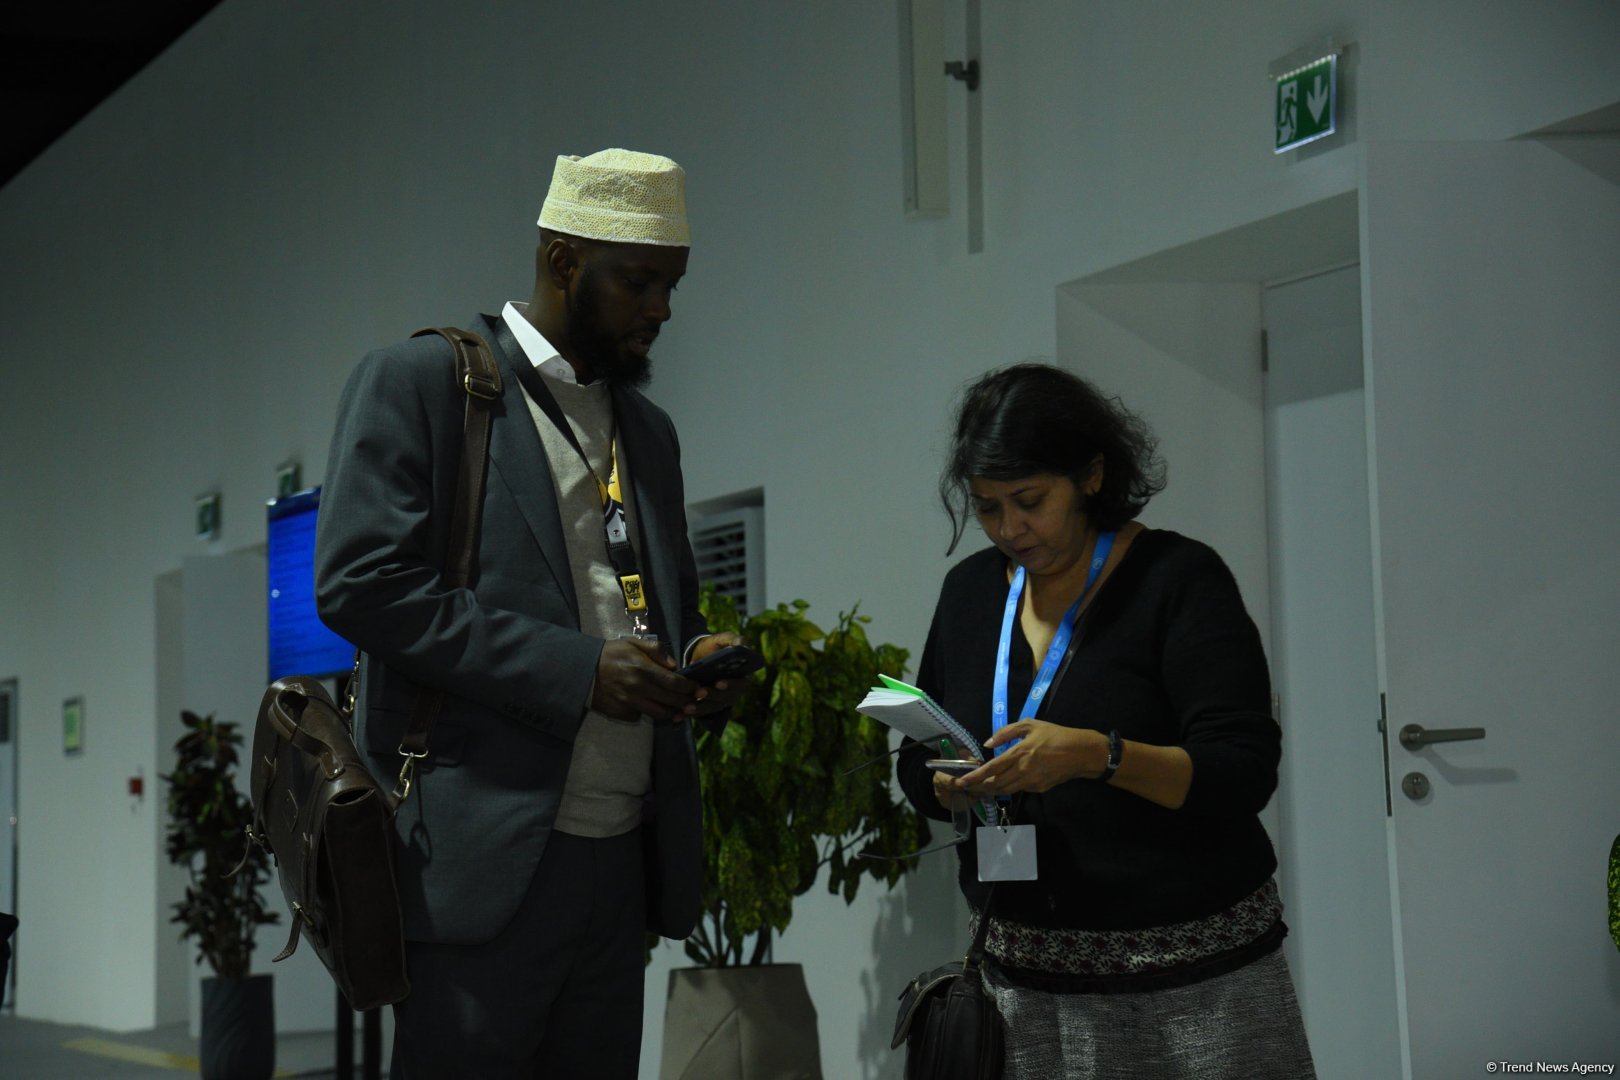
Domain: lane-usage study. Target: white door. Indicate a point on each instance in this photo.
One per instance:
(1333, 864)
(1491, 288)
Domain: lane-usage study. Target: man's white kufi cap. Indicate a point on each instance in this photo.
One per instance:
(621, 196)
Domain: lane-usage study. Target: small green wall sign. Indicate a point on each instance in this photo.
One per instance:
(1307, 103)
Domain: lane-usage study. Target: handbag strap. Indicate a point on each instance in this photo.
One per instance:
(479, 377)
(975, 953)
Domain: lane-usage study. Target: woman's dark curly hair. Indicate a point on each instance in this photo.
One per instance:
(1035, 418)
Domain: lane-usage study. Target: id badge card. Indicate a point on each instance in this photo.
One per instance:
(1006, 852)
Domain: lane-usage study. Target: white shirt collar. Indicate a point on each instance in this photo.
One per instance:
(540, 352)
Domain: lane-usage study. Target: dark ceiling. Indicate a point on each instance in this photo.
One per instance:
(67, 56)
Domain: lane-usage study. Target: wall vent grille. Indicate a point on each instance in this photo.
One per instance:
(729, 546)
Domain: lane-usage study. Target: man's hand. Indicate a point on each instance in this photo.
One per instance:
(723, 694)
(636, 678)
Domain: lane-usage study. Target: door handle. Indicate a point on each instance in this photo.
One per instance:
(1416, 737)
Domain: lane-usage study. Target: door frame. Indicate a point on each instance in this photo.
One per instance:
(1224, 274)
(9, 817)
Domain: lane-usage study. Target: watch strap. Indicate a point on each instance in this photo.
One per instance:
(1116, 747)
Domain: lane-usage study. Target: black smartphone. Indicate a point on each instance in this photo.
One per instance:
(731, 662)
(953, 766)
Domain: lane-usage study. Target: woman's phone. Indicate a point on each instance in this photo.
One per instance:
(953, 766)
(731, 662)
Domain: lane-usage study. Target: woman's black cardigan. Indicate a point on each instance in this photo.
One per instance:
(1166, 654)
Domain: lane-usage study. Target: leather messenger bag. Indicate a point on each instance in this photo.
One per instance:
(324, 817)
(330, 826)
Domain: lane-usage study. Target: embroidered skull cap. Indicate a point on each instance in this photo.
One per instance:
(621, 196)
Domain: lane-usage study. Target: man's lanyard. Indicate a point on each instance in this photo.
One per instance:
(621, 556)
(1054, 652)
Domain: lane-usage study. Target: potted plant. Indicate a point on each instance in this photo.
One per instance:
(785, 796)
(208, 827)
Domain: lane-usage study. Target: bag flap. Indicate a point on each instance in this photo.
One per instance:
(920, 990)
(302, 713)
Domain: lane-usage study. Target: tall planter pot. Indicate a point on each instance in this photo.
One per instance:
(238, 1029)
(740, 1023)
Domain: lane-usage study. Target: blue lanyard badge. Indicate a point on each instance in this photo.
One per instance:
(1054, 652)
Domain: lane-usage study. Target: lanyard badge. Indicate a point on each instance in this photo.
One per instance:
(620, 554)
(1006, 852)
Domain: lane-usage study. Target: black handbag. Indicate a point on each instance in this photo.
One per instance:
(325, 818)
(948, 1021)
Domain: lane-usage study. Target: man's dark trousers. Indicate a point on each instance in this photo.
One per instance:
(557, 993)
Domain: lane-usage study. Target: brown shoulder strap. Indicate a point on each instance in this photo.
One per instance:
(480, 379)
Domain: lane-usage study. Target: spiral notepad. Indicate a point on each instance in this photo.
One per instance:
(911, 712)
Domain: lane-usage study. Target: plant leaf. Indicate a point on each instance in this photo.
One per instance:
(780, 784)
(734, 740)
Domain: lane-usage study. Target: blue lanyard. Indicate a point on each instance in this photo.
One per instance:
(1054, 652)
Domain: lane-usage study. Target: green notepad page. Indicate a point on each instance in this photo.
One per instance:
(904, 688)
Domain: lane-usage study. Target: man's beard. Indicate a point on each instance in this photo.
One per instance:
(605, 355)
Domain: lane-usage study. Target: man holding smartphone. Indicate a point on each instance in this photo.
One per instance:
(561, 766)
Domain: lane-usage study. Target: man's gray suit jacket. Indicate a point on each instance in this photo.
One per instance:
(506, 650)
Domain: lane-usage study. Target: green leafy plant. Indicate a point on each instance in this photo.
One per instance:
(1614, 891)
(784, 793)
(208, 823)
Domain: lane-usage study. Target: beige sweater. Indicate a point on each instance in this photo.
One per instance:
(611, 770)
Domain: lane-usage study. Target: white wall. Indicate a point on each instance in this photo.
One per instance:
(195, 267)
(1186, 357)
(223, 642)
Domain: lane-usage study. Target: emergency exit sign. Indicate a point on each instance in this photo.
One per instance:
(1307, 99)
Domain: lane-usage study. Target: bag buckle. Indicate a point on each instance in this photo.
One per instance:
(402, 788)
(247, 851)
(480, 386)
(351, 690)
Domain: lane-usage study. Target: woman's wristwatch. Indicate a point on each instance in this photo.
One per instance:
(1116, 746)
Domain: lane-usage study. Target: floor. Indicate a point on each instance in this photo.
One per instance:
(35, 1050)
